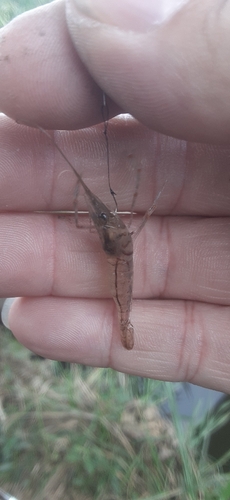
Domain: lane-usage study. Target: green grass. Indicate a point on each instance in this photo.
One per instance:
(95, 434)
(12, 8)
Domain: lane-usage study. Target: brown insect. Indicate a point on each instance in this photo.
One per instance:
(117, 243)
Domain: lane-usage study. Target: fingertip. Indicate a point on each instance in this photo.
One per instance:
(6, 310)
(125, 14)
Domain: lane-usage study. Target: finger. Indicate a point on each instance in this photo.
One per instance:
(174, 340)
(34, 176)
(174, 258)
(43, 80)
(48, 255)
(166, 63)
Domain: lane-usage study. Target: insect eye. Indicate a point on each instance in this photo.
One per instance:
(103, 216)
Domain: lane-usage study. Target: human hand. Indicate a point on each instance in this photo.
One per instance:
(162, 76)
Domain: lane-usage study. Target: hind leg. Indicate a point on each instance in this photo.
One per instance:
(148, 213)
(76, 211)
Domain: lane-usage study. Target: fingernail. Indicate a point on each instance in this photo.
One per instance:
(6, 310)
(126, 14)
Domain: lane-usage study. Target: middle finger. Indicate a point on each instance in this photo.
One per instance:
(174, 258)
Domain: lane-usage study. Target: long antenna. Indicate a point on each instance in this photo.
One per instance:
(105, 116)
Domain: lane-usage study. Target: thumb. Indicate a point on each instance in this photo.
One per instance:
(166, 63)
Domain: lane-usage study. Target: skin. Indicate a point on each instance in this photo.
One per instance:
(181, 306)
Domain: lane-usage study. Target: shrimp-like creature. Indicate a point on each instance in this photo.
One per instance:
(117, 244)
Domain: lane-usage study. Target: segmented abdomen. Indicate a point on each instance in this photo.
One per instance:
(121, 285)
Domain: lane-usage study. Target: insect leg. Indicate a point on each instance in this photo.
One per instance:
(148, 213)
(135, 194)
(105, 116)
(75, 204)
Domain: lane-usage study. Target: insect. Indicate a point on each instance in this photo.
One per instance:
(117, 243)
